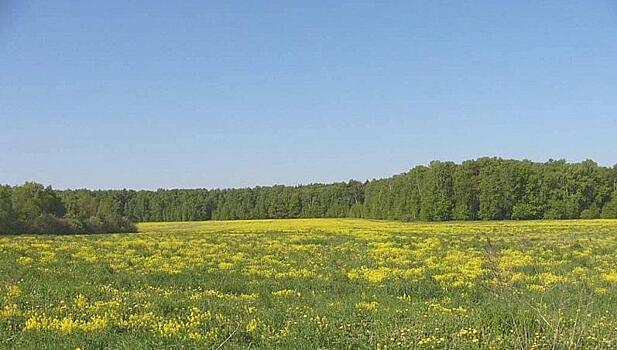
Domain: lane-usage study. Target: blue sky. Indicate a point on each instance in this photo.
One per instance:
(150, 94)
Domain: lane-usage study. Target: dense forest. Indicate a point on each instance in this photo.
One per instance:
(482, 189)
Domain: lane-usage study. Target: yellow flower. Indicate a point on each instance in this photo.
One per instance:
(225, 265)
(13, 292)
(372, 306)
(375, 275)
(251, 326)
(610, 276)
(24, 260)
(286, 293)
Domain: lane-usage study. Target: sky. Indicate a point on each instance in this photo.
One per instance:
(185, 94)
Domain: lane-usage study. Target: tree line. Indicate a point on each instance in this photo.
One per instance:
(481, 189)
(33, 208)
(495, 189)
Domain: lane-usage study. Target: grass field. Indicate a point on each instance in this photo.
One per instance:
(315, 283)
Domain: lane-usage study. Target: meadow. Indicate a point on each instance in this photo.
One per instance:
(314, 283)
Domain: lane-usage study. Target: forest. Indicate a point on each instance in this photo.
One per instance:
(480, 189)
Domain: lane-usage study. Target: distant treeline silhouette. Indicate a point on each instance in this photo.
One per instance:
(481, 189)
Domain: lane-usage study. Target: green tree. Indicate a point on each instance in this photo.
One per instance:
(32, 200)
(7, 215)
(498, 181)
(610, 208)
(466, 202)
(437, 192)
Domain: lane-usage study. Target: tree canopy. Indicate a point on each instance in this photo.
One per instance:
(33, 208)
(481, 189)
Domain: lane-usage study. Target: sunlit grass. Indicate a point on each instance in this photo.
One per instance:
(314, 283)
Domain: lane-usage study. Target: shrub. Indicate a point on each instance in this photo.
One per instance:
(47, 223)
(109, 223)
(591, 213)
(610, 209)
(562, 209)
(525, 211)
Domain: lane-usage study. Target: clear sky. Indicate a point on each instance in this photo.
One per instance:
(149, 94)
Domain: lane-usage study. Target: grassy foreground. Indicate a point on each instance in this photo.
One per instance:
(314, 283)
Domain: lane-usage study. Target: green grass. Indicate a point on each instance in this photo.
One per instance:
(314, 283)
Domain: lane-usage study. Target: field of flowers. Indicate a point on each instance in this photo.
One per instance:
(314, 283)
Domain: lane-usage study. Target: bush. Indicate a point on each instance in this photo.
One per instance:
(610, 209)
(47, 223)
(526, 211)
(109, 223)
(562, 209)
(94, 224)
(50, 224)
(591, 213)
(75, 226)
(356, 211)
